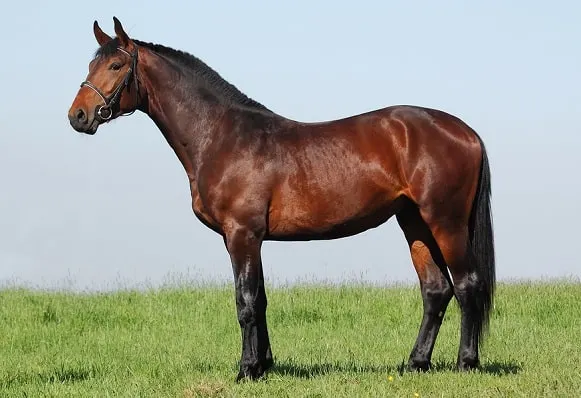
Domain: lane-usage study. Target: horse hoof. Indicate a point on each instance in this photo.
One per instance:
(415, 365)
(250, 372)
(241, 376)
(467, 364)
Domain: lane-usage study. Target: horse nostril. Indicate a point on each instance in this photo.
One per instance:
(81, 116)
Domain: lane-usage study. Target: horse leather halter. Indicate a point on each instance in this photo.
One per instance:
(105, 112)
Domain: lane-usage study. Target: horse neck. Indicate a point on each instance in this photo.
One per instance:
(186, 120)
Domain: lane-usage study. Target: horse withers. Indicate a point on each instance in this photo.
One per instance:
(255, 175)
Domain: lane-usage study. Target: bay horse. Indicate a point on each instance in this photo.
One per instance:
(256, 176)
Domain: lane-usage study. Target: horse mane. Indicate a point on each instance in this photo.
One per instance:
(203, 73)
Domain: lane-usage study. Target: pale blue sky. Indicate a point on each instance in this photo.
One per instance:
(114, 209)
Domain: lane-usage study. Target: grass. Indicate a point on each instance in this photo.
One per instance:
(328, 341)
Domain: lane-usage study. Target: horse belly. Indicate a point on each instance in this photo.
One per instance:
(346, 208)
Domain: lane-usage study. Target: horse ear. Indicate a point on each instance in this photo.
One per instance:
(121, 35)
(102, 37)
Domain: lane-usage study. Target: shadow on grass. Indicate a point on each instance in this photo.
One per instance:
(68, 375)
(495, 368)
(307, 371)
(58, 375)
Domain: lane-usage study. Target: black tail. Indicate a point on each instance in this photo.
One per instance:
(482, 242)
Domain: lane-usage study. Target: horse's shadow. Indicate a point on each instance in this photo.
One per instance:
(307, 371)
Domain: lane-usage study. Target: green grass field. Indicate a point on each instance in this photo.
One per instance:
(328, 341)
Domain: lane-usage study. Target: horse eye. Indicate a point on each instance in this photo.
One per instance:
(115, 66)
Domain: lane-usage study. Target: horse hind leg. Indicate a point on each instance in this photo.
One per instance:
(434, 283)
(469, 287)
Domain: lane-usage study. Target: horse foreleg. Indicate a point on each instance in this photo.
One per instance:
(244, 248)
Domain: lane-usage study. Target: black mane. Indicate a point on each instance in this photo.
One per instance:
(211, 78)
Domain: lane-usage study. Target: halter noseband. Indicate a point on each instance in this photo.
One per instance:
(105, 112)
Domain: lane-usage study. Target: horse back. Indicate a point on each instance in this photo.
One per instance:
(341, 177)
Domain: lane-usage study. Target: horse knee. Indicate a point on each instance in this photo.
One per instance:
(251, 307)
(246, 316)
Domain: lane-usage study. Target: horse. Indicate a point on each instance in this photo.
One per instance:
(257, 176)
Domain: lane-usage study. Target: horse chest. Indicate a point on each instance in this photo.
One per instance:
(203, 214)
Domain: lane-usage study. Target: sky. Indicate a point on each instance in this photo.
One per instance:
(113, 210)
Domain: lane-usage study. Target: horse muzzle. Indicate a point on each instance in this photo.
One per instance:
(83, 123)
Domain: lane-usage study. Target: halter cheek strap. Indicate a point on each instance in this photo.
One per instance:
(105, 111)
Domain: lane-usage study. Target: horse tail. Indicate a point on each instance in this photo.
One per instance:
(482, 241)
